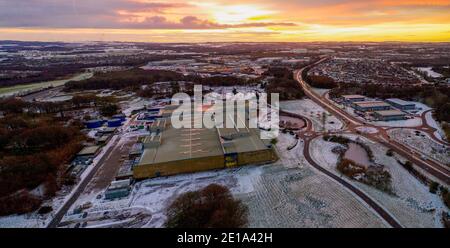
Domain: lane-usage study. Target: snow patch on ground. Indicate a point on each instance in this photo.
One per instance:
(414, 122)
(312, 111)
(421, 142)
(91, 133)
(413, 205)
(155, 195)
(135, 104)
(320, 91)
(429, 71)
(434, 124)
(364, 129)
(321, 151)
(33, 219)
(422, 107)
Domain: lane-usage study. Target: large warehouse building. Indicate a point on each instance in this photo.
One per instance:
(170, 151)
(400, 104)
(371, 106)
(390, 115)
(353, 98)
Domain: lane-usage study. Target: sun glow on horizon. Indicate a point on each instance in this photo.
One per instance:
(236, 14)
(232, 20)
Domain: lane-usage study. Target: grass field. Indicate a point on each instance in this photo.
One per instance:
(6, 91)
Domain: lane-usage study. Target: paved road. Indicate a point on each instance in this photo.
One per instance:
(375, 206)
(80, 188)
(308, 134)
(430, 130)
(350, 125)
(88, 178)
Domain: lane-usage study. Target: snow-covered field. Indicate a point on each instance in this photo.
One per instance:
(320, 91)
(293, 194)
(131, 217)
(135, 104)
(412, 205)
(157, 194)
(420, 107)
(224, 90)
(413, 122)
(434, 124)
(322, 154)
(33, 219)
(312, 111)
(423, 143)
(429, 71)
(365, 129)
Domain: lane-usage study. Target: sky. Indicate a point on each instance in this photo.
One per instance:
(225, 20)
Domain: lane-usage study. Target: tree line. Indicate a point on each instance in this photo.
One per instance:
(282, 81)
(33, 148)
(133, 79)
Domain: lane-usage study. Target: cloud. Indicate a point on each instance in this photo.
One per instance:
(217, 14)
(193, 22)
(368, 12)
(107, 14)
(74, 13)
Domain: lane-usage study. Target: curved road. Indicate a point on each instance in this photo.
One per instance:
(435, 169)
(308, 134)
(351, 123)
(374, 205)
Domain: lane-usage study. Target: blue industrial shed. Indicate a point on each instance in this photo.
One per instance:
(93, 124)
(122, 117)
(114, 123)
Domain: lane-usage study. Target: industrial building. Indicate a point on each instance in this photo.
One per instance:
(106, 131)
(371, 106)
(89, 151)
(118, 189)
(102, 140)
(121, 117)
(126, 170)
(389, 115)
(114, 123)
(91, 124)
(353, 98)
(400, 104)
(169, 151)
(151, 114)
(136, 151)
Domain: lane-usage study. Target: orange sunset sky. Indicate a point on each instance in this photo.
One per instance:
(225, 20)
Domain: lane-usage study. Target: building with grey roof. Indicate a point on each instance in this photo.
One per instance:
(353, 98)
(173, 151)
(401, 104)
(369, 106)
(389, 115)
